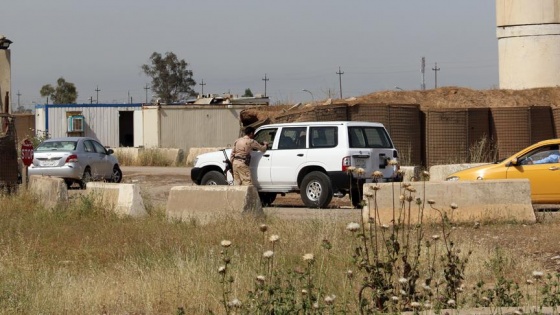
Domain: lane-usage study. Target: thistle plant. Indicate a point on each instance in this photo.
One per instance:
(276, 290)
(395, 256)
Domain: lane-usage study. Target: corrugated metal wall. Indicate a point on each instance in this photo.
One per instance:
(210, 126)
(101, 120)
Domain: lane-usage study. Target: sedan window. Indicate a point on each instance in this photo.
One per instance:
(57, 146)
(88, 146)
(99, 148)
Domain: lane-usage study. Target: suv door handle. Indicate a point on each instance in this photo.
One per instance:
(300, 154)
(266, 155)
(553, 168)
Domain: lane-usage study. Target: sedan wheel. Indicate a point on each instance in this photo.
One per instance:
(117, 175)
(86, 178)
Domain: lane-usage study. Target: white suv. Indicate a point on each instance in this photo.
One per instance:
(312, 158)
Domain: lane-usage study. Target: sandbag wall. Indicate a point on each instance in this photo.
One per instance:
(403, 123)
(444, 135)
(518, 127)
(317, 113)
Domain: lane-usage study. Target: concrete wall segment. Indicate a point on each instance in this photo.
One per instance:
(477, 201)
(204, 204)
(51, 191)
(124, 199)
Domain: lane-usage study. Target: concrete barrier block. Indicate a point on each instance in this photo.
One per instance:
(50, 190)
(194, 152)
(477, 201)
(125, 199)
(440, 172)
(411, 173)
(206, 203)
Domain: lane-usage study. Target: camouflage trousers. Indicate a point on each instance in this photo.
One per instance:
(241, 173)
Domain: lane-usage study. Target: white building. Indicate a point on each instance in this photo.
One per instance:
(138, 125)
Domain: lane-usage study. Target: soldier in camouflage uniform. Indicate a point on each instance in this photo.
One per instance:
(241, 156)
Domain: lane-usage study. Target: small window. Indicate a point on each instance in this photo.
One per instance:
(323, 137)
(99, 148)
(88, 147)
(368, 137)
(266, 135)
(291, 138)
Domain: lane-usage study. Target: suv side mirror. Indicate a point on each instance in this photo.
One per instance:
(110, 151)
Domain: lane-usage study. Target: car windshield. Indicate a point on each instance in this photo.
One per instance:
(57, 146)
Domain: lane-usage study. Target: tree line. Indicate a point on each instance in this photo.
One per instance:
(171, 81)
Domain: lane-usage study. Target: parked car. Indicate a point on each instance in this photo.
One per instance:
(312, 158)
(536, 163)
(76, 159)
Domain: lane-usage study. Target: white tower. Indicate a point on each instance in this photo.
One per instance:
(528, 43)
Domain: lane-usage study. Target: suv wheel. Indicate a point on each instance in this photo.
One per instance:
(357, 193)
(267, 198)
(316, 190)
(213, 178)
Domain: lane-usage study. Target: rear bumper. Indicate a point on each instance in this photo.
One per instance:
(341, 180)
(66, 171)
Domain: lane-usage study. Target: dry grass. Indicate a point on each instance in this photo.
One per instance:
(82, 259)
(146, 157)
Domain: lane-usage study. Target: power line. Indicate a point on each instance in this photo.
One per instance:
(436, 69)
(340, 73)
(265, 79)
(423, 71)
(146, 88)
(202, 84)
(97, 98)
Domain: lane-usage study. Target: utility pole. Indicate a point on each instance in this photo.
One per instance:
(265, 79)
(97, 97)
(202, 84)
(18, 95)
(91, 99)
(436, 69)
(423, 71)
(340, 73)
(146, 88)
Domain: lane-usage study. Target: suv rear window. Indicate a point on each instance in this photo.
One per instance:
(368, 137)
(323, 137)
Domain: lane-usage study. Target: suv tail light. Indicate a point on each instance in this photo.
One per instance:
(346, 162)
(71, 158)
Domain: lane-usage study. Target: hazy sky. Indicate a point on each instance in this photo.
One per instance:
(232, 44)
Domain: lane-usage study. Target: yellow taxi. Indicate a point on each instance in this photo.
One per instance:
(539, 163)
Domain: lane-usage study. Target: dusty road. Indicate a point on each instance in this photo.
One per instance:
(156, 182)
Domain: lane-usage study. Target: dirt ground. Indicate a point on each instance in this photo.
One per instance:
(156, 182)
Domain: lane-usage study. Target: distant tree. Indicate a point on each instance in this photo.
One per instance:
(171, 80)
(64, 93)
(248, 93)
